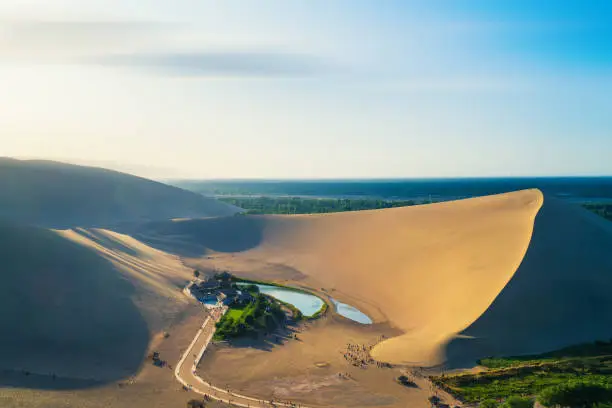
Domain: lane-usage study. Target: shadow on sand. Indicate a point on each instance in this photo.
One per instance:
(64, 312)
(195, 237)
(106, 241)
(268, 342)
(559, 296)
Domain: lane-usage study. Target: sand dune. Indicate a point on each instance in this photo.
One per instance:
(412, 266)
(59, 195)
(560, 295)
(433, 271)
(82, 304)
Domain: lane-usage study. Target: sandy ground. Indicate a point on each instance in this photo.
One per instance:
(507, 274)
(83, 305)
(312, 369)
(408, 266)
(158, 277)
(153, 387)
(60, 195)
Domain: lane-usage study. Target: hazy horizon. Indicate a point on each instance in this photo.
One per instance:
(161, 174)
(309, 90)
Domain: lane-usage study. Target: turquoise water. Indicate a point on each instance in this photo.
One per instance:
(211, 302)
(352, 313)
(306, 303)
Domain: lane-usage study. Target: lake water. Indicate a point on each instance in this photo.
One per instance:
(306, 303)
(351, 312)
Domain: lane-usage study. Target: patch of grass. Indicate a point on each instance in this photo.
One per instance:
(527, 376)
(320, 312)
(235, 313)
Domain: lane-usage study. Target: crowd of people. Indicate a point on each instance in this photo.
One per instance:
(359, 356)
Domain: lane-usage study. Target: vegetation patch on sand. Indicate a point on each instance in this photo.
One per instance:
(260, 315)
(320, 312)
(598, 348)
(529, 376)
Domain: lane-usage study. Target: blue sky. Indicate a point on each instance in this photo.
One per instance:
(310, 89)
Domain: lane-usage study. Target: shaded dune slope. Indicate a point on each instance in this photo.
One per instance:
(82, 304)
(430, 271)
(560, 295)
(193, 238)
(59, 195)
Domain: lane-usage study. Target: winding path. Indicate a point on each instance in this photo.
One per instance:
(185, 371)
(186, 374)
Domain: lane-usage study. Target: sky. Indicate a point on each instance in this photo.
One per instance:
(310, 88)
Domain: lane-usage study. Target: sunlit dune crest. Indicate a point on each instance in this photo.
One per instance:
(432, 271)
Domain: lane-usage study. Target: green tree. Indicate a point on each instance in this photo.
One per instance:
(517, 402)
(490, 403)
(579, 394)
(406, 381)
(252, 288)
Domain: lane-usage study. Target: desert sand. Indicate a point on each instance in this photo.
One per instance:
(450, 276)
(152, 387)
(312, 369)
(83, 304)
(448, 283)
(58, 195)
(412, 267)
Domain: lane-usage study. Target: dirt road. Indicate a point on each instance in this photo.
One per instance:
(185, 370)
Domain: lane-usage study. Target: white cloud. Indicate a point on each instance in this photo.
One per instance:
(144, 45)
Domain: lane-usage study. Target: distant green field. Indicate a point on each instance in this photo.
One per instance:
(299, 205)
(529, 375)
(307, 205)
(604, 210)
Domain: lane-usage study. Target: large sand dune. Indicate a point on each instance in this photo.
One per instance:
(82, 304)
(433, 271)
(560, 295)
(59, 195)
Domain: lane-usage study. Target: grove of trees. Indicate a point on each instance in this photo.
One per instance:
(298, 205)
(260, 315)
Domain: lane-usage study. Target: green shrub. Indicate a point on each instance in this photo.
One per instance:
(490, 403)
(319, 312)
(252, 288)
(517, 402)
(406, 381)
(576, 394)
